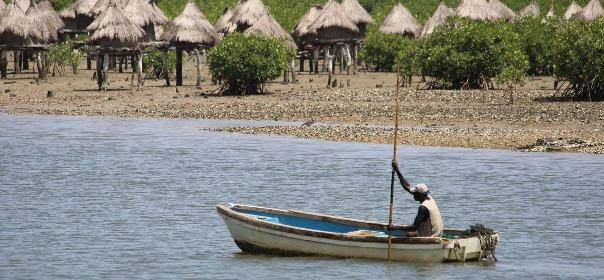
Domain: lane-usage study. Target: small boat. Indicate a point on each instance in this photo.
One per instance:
(297, 233)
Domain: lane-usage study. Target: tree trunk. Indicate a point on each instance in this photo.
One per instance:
(198, 57)
(178, 67)
(164, 58)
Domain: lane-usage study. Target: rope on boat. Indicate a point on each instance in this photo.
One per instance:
(488, 244)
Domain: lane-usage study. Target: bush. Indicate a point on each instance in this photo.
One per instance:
(154, 62)
(468, 54)
(245, 62)
(62, 55)
(578, 58)
(381, 50)
(536, 38)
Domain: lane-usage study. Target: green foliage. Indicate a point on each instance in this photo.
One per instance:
(62, 55)
(381, 50)
(154, 62)
(469, 54)
(578, 50)
(536, 38)
(245, 62)
(407, 58)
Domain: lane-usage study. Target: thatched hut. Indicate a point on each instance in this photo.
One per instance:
(401, 21)
(532, 10)
(572, 10)
(51, 16)
(592, 10)
(142, 13)
(301, 32)
(77, 17)
(102, 5)
(502, 9)
(477, 9)
(358, 15)
(437, 19)
(44, 25)
(224, 19)
(550, 13)
(23, 4)
(114, 33)
(190, 30)
(245, 14)
(14, 26)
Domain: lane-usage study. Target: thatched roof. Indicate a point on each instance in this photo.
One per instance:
(356, 12)
(42, 29)
(14, 26)
(222, 22)
(332, 16)
(79, 7)
(52, 17)
(157, 12)
(592, 10)
(477, 9)
(190, 27)
(141, 13)
(502, 9)
(267, 25)
(550, 13)
(401, 21)
(2, 5)
(301, 27)
(101, 5)
(532, 10)
(438, 18)
(23, 4)
(114, 27)
(572, 10)
(245, 14)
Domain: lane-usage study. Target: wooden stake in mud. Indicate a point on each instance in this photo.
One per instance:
(396, 114)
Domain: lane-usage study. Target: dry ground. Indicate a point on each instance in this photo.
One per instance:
(357, 111)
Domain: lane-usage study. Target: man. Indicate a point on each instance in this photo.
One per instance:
(428, 222)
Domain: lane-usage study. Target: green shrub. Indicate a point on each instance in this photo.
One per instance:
(245, 62)
(62, 55)
(469, 54)
(153, 62)
(535, 35)
(578, 58)
(381, 50)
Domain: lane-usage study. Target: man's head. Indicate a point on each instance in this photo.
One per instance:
(420, 192)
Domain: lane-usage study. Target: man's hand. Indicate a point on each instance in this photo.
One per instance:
(394, 165)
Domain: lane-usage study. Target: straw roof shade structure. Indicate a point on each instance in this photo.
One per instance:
(114, 28)
(76, 17)
(2, 5)
(142, 13)
(502, 9)
(532, 10)
(550, 13)
(267, 25)
(400, 21)
(23, 4)
(245, 14)
(41, 27)
(592, 10)
(437, 19)
(477, 9)
(572, 10)
(222, 22)
(52, 17)
(102, 5)
(191, 27)
(14, 26)
(357, 14)
(79, 7)
(332, 24)
(301, 27)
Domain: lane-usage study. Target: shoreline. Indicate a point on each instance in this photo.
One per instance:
(362, 111)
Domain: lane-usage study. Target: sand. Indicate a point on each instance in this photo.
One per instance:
(361, 110)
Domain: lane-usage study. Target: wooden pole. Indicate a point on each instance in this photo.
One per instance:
(164, 58)
(105, 68)
(293, 70)
(316, 59)
(3, 63)
(198, 67)
(178, 67)
(99, 73)
(139, 68)
(328, 57)
(396, 114)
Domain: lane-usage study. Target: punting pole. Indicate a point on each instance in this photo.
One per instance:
(396, 114)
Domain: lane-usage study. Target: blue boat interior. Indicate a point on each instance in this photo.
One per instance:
(310, 224)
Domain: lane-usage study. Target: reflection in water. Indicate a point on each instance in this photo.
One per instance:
(100, 198)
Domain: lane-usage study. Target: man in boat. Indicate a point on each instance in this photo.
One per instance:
(428, 222)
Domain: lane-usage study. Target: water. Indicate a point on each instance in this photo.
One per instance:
(103, 198)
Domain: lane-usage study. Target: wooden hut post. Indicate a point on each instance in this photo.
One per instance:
(139, 67)
(40, 65)
(178, 67)
(133, 63)
(164, 65)
(293, 70)
(341, 57)
(16, 60)
(301, 62)
(328, 57)
(316, 59)
(198, 57)
(105, 70)
(99, 73)
(3, 64)
(88, 62)
(348, 58)
(325, 51)
(25, 59)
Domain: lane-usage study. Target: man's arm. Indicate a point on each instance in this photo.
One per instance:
(404, 183)
(423, 214)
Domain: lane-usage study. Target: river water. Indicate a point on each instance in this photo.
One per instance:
(110, 198)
